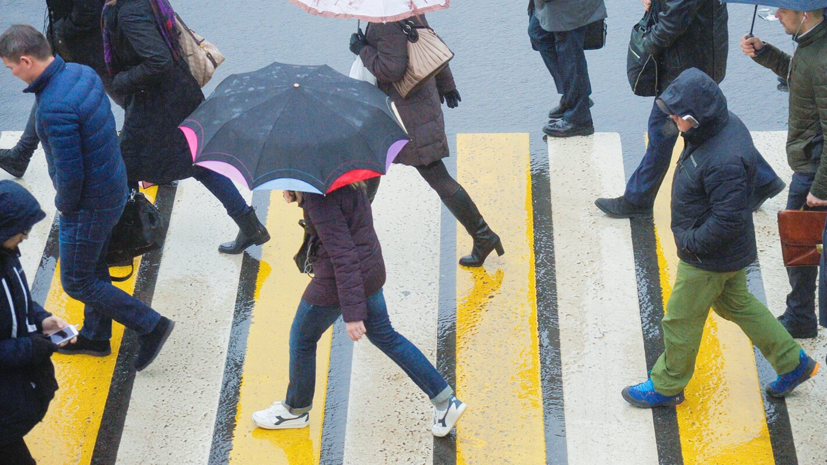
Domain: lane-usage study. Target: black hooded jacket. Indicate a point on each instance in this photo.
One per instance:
(714, 179)
(27, 376)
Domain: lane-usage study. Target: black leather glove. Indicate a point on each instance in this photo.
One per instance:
(357, 42)
(42, 347)
(451, 97)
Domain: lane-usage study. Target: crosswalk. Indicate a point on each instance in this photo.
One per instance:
(539, 342)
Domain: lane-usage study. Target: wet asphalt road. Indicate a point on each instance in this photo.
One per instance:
(503, 83)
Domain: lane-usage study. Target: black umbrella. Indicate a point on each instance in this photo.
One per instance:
(305, 128)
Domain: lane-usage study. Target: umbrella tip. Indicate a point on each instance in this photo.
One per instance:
(296, 85)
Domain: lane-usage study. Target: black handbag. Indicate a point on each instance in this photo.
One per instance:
(642, 66)
(595, 35)
(307, 251)
(140, 230)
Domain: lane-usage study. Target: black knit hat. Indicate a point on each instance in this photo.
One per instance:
(19, 210)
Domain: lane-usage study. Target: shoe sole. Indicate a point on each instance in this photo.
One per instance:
(672, 403)
(575, 133)
(808, 374)
(283, 426)
(449, 427)
(615, 215)
(160, 346)
(93, 353)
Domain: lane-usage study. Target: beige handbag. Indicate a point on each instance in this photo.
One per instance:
(202, 56)
(427, 56)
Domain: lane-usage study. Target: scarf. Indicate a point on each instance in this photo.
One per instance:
(165, 22)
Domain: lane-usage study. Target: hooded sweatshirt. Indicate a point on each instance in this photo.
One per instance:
(714, 179)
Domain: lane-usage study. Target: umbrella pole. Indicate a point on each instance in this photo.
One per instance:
(754, 14)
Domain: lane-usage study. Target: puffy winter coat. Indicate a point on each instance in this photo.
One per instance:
(806, 152)
(27, 379)
(159, 94)
(348, 264)
(689, 34)
(77, 129)
(386, 56)
(714, 179)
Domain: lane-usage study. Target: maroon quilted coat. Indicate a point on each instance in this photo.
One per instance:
(386, 56)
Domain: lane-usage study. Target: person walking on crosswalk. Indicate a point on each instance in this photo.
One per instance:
(806, 151)
(349, 276)
(687, 34)
(74, 33)
(77, 129)
(715, 238)
(384, 50)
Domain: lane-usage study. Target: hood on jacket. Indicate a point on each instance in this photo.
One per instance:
(19, 210)
(696, 94)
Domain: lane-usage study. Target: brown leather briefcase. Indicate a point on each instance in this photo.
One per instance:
(800, 233)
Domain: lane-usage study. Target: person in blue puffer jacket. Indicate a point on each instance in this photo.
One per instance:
(77, 129)
(27, 376)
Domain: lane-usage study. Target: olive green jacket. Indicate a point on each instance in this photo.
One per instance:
(806, 151)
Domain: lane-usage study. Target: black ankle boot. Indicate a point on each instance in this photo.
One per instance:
(485, 240)
(15, 161)
(250, 232)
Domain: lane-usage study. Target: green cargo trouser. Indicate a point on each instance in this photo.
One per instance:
(697, 290)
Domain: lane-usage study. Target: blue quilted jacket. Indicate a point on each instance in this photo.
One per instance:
(77, 129)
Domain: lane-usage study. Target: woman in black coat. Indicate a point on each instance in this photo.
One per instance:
(384, 51)
(349, 275)
(27, 376)
(142, 52)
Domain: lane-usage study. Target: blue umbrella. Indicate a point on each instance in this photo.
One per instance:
(796, 5)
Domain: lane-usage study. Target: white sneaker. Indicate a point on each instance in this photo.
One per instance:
(444, 420)
(276, 416)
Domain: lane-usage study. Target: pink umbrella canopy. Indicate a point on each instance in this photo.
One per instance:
(375, 11)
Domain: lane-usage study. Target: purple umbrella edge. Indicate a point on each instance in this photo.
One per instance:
(393, 152)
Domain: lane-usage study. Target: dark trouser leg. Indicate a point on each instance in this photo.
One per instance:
(543, 42)
(29, 140)
(764, 174)
(16, 453)
(380, 332)
(224, 190)
(84, 236)
(464, 210)
(574, 72)
(310, 322)
(800, 311)
(645, 182)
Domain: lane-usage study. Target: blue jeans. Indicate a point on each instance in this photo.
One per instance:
(565, 59)
(645, 182)
(223, 189)
(84, 239)
(311, 321)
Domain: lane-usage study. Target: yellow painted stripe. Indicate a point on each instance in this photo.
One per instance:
(67, 435)
(498, 362)
(266, 366)
(723, 420)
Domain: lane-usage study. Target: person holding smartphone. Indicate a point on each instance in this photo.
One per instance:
(349, 275)
(27, 376)
(715, 238)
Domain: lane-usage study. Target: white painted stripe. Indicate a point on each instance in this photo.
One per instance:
(37, 181)
(388, 416)
(806, 406)
(11, 309)
(601, 340)
(174, 401)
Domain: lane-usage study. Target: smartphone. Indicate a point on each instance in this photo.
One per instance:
(64, 335)
(691, 120)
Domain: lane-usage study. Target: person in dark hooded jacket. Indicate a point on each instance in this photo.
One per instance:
(715, 237)
(74, 33)
(27, 376)
(687, 34)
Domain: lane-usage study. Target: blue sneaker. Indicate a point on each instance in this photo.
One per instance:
(784, 384)
(643, 395)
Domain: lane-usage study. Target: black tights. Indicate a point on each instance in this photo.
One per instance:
(436, 175)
